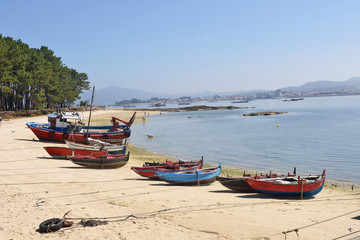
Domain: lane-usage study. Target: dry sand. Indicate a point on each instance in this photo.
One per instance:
(35, 188)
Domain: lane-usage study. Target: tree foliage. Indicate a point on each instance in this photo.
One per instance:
(33, 78)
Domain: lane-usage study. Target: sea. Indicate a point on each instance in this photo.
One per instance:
(314, 134)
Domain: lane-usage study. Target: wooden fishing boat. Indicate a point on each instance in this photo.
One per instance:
(71, 126)
(95, 144)
(101, 162)
(289, 186)
(64, 153)
(237, 184)
(149, 171)
(181, 162)
(191, 177)
(159, 163)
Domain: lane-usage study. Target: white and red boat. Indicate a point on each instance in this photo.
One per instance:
(65, 153)
(95, 144)
(71, 126)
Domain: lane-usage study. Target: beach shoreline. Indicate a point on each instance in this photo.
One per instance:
(36, 188)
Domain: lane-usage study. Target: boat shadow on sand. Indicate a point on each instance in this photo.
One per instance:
(243, 194)
(267, 196)
(179, 184)
(37, 140)
(51, 158)
(79, 167)
(227, 191)
(143, 179)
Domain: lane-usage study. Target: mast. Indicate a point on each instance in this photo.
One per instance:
(92, 99)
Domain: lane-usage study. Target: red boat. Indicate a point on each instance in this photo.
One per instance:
(101, 162)
(65, 153)
(146, 164)
(289, 186)
(71, 126)
(150, 171)
(239, 184)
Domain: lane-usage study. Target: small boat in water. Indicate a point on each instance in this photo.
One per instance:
(101, 162)
(149, 169)
(289, 186)
(191, 177)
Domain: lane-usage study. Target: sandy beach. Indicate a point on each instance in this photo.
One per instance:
(36, 187)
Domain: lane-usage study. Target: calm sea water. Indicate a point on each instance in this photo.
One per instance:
(315, 134)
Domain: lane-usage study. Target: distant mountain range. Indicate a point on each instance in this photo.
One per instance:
(113, 94)
(320, 86)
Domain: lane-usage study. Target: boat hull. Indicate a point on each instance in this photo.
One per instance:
(45, 134)
(104, 162)
(292, 192)
(112, 148)
(295, 189)
(193, 177)
(150, 171)
(235, 184)
(64, 153)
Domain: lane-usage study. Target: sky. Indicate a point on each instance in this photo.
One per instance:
(190, 46)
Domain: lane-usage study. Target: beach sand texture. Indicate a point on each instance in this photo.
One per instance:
(35, 187)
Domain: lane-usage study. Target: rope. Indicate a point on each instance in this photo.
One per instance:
(70, 182)
(112, 198)
(94, 192)
(310, 225)
(110, 190)
(17, 149)
(41, 173)
(346, 235)
(296, 230)
(21, 160)
(351, 229)
(166, 210)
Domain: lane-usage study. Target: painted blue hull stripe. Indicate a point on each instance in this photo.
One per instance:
(298, 193)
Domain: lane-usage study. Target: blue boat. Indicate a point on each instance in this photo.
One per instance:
(191, 177)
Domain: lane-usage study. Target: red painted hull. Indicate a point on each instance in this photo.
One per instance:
(150, 171)
(64, 153)
(307, 188)
(59, 136)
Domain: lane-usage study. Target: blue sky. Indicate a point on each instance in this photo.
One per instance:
(171, 46)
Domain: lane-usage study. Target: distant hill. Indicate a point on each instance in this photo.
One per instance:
(319, 86)
(111, 95)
